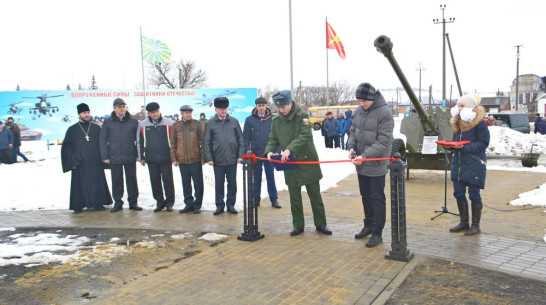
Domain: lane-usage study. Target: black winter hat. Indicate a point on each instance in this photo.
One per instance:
(82, 108)
(365, 91)
(261, 100)
(221, 102)
(119, 101)
(153, 106)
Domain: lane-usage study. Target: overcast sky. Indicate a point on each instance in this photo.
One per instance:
(245, 43)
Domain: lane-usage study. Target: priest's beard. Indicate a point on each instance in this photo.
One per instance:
(85, 118)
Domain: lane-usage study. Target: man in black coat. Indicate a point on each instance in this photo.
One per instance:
(224, 150)
(80, 154)
(118, 149)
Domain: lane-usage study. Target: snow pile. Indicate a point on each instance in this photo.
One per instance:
(532, 197)
(213, 237)
(506, 141)
(37, 248)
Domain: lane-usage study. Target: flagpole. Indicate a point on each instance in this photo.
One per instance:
(327, 77)
(290, 28)
(142, 62)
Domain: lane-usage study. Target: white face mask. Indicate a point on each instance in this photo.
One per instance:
(467, 114)
(454, 110)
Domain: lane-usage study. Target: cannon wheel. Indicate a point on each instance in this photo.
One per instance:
(398, 146)
(316, 126)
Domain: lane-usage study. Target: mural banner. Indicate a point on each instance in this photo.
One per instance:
(46, 115)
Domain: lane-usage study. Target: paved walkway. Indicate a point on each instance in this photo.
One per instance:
(313, 268)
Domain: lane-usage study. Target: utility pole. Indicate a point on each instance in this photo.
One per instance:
(443, 22)
(517, 76)
(420, 69)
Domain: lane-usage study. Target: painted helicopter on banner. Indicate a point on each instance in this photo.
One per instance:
(43, 106)
(209, 100)
(14, 109)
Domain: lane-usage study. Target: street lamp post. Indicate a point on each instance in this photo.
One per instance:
(517, 76)
(420, 69)
(443, 22)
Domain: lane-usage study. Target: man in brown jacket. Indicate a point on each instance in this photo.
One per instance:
(187, 153)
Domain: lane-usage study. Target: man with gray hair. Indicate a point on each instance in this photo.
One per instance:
(371, 137)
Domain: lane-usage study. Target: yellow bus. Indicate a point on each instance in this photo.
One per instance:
(318, 114)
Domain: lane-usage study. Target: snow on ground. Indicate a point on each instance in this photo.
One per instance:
(41, 184)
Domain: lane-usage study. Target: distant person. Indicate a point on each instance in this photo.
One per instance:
(118, 149)
(348, 124)
(468, 162)
(223, 151)
(323, 133)
(292, 131)
(256, 134)
(203, 118)
(538, 119)
(371, 137)
(491, 121)
(16, 151)
(139, 116)
(153, 144)
(187, 152)
(80, 154)
(6, 144)
(542, 126)
(341, 130)
(331, 127)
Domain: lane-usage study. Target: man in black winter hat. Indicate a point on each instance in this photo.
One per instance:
(154, 150)
(371, 137)
(221, 131)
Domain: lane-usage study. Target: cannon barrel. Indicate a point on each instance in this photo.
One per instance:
(384, 45)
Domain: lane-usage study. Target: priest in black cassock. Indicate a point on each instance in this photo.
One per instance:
(80, 154)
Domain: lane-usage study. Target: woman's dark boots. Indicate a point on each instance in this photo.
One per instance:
(463, 212)
(476, 216)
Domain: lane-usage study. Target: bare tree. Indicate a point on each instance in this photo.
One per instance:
(189, 76)
(340, 93)
(266, 93)
(176, 75)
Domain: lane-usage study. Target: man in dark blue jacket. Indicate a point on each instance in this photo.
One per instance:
(224, 150)
(118, 148)
(331, 127)
(153, 148)
(256, 135)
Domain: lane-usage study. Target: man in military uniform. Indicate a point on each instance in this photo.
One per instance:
(292, 132)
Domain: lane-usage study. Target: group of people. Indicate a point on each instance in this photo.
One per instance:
(189, 144)
(10, 142)
(160, 143)
(335, 129)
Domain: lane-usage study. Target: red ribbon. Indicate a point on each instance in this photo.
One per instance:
(253, 157)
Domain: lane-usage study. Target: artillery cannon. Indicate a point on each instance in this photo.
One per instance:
(432, 123)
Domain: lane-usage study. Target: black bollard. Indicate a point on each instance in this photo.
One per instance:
(250, 226)
(399, 243)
